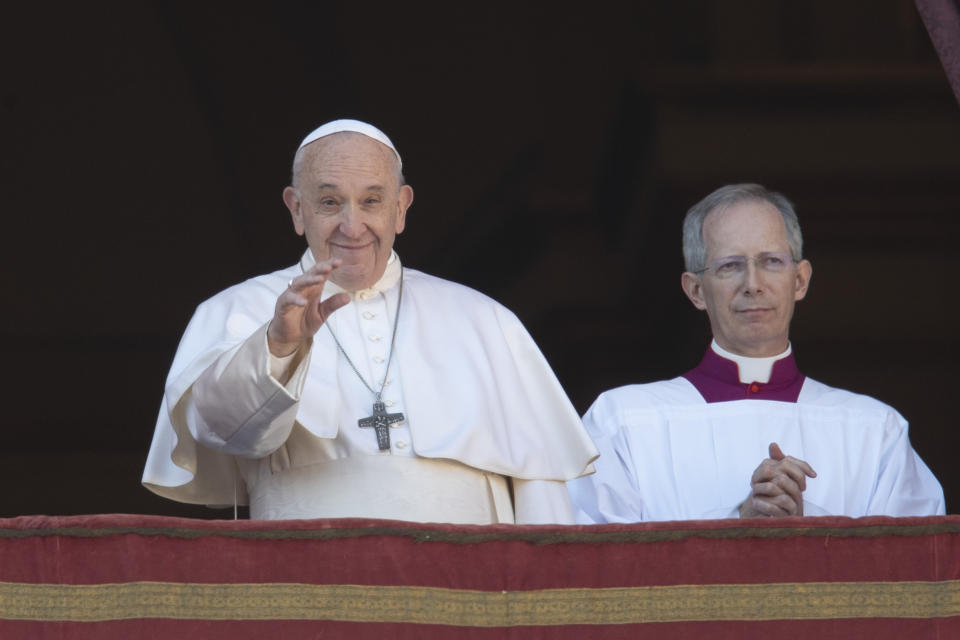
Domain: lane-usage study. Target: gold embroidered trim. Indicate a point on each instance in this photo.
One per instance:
(461, 607)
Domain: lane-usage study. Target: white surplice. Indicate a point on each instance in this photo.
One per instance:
(668, 454)
(480, 403)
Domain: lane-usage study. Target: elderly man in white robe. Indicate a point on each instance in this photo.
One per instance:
(745, 433)
(349, 386)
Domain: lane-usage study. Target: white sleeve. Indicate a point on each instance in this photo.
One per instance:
(239, 405)
(905, 485)
(611, 494)
(541, 502)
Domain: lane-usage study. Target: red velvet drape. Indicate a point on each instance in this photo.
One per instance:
(151, 577)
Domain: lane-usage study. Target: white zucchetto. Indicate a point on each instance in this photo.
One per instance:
(355, 126)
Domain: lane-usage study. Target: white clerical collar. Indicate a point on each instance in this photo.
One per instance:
(751, 369)
(390, 277)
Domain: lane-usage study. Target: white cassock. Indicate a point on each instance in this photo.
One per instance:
(488, 436)
(686, 448)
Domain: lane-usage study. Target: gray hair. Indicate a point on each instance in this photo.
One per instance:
(301, 154)
(694, 248)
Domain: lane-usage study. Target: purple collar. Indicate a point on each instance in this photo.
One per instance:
(718, 380)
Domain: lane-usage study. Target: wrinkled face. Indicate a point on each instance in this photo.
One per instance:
(750, 310)
(349, 205)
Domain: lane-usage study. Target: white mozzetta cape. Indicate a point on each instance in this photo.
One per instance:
(667, 454)
(476, 389)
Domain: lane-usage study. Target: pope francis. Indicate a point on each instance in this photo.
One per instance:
(348, 385)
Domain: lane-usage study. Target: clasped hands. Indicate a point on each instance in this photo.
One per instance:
(777, 486)
(299, 313)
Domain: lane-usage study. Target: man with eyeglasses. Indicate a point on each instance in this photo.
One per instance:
(745, 433)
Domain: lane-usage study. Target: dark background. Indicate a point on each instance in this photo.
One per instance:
(553, 149)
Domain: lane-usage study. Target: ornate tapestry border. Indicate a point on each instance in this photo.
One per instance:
(426, 605)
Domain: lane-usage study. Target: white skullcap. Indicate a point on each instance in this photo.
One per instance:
(339, 126)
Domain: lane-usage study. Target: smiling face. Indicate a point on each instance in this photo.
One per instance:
(749, 313)
(348, 202)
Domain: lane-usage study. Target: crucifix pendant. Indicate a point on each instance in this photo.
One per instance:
(381, 421)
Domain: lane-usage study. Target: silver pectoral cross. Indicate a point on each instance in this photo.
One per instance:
(381, 421)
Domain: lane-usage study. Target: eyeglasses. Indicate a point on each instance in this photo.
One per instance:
(735, 266)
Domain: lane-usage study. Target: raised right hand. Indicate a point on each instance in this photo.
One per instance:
(299, 312)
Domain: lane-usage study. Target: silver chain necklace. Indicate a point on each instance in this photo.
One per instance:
(380, 420)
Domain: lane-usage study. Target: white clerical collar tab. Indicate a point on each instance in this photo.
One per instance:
(751, 369)
(354, 126)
